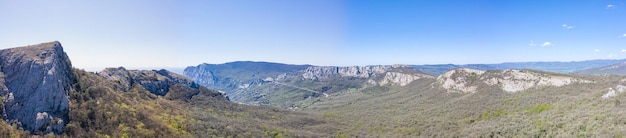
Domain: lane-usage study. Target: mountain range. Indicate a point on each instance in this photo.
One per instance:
(559, 67)
(261, 83)
(615, 69)
(43, 94)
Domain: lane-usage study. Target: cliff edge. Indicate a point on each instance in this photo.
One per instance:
(36, 82)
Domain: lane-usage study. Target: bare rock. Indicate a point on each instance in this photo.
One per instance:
(37, 80)
(469, 80)
(157, 82)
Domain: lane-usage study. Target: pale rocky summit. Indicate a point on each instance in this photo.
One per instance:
(519, 80)
(613, 92)
(469, 80)
(402, 79)
(120, 75)
(460, 80)
(36, 80)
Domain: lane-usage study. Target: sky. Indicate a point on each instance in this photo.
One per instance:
(169, 33)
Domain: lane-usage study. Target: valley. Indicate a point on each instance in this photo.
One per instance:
(312, 69)
(458, 103)
(263, 99)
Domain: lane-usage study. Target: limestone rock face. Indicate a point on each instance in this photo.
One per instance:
(35, 81)
(323, 72)
(119, 75)
(469, 80)
(460, 80)
(519, 80)
(157, 82)
(201, 74)
(614, 92)
(401, 79)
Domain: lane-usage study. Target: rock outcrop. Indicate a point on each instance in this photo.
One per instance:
(323, 72)
(613, 92)
(402, 79)
(460, 80)
(519, 80)
(377, 75)
(201, 74)
(35, 84)
(157, 82)
(469, 80)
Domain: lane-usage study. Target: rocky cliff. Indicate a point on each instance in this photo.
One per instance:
(469, 80)
(324, 72)
(158, 82)
(35, 82)
(376, 75)
(202, 74)
(229, 75)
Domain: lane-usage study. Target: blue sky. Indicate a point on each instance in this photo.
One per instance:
(320, 32)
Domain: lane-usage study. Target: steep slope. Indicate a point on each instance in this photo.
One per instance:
(615, 69)
(36, 81)
(226, 76)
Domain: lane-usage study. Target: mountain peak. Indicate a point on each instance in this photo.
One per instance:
(36, 80)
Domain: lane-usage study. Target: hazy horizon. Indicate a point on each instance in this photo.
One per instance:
(177, 34)
(180, 69)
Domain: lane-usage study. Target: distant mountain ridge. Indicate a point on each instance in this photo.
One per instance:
(559, 67)
(265, 83)
(237, 72)
(262, 82)
(615, 69)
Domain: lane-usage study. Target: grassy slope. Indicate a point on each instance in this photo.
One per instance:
(422, 110)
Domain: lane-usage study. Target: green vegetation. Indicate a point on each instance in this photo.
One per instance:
(421, 110)
(11, 131)
(540, 108)
(96, 110)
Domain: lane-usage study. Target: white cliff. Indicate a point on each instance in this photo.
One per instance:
(468, 80)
